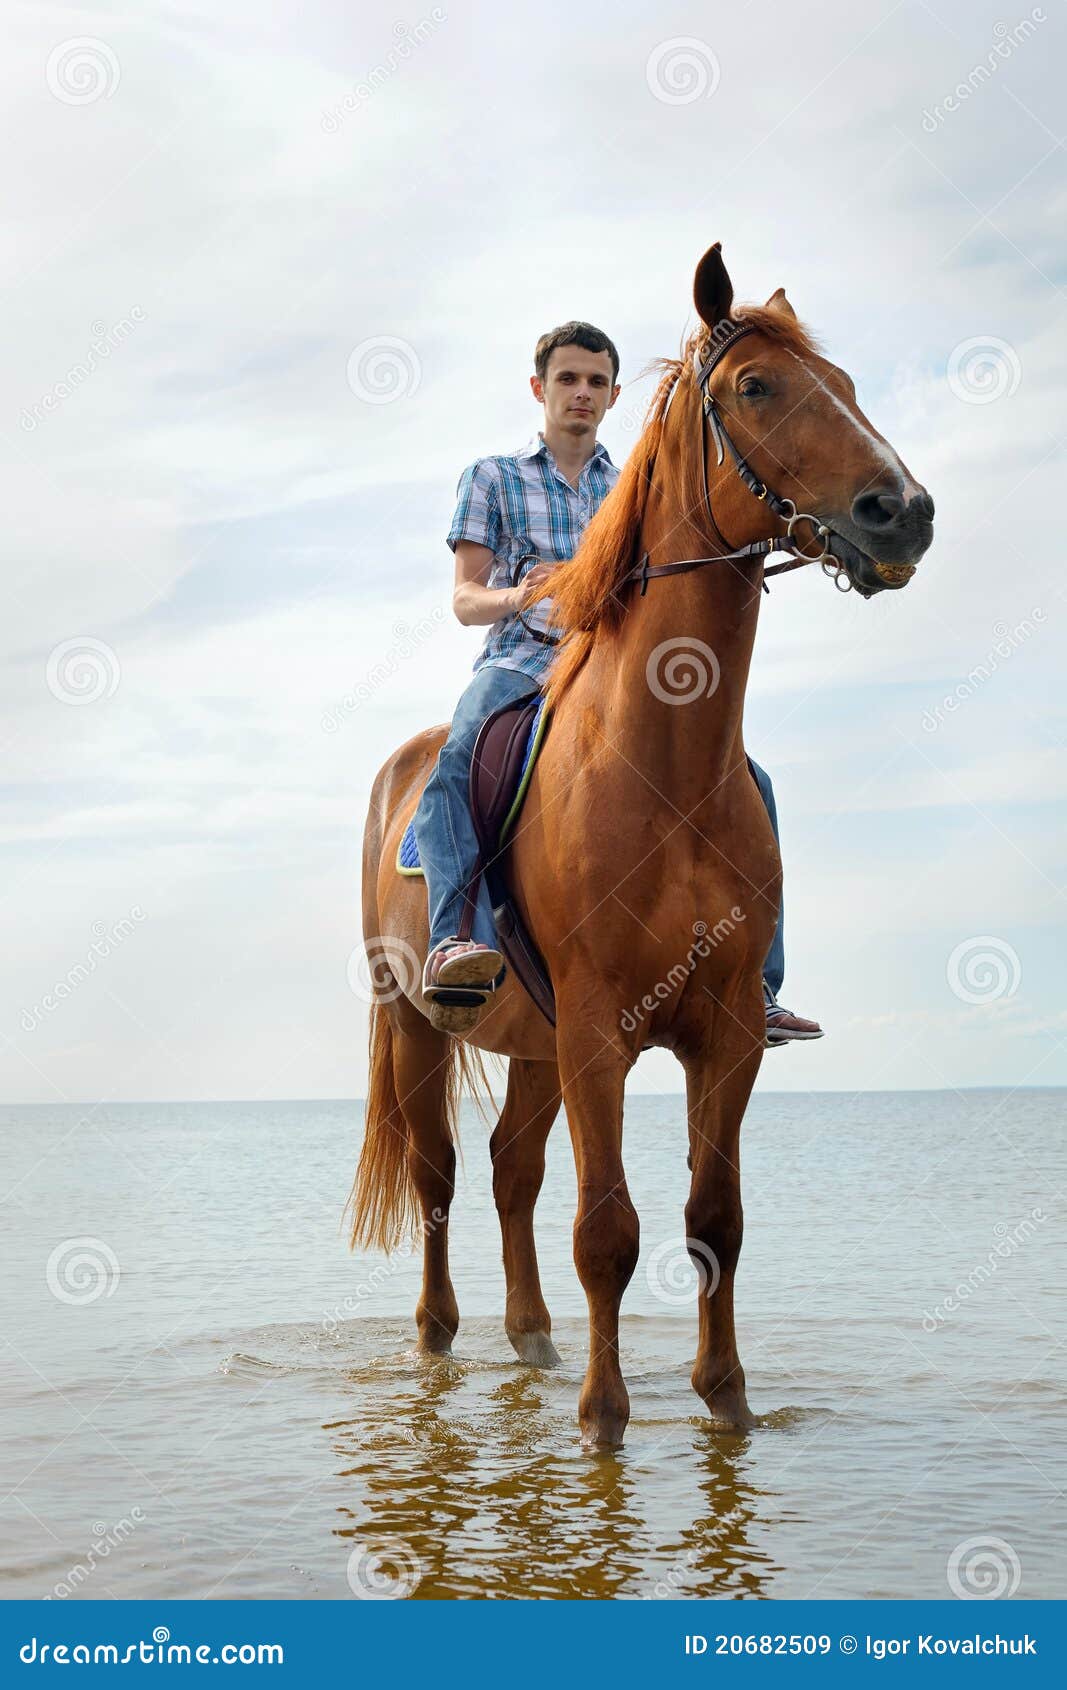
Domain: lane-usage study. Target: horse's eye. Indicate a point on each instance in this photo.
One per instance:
(752, 388)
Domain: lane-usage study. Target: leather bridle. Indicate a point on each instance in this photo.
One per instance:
(725, 336)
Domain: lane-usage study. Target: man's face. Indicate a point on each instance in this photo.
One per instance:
(577, 389)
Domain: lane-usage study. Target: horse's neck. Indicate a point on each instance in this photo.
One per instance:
(671, 684)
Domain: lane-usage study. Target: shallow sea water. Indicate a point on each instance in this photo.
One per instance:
(213, 1398)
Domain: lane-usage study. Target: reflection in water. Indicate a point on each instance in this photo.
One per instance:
(199, 1393)
(473, 1473)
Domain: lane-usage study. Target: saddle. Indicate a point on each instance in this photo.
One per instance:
(502, 763)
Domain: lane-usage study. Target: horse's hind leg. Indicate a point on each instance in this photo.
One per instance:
(421, 1063)
(518, 1151)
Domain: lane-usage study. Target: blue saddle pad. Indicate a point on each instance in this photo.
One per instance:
(407, 858)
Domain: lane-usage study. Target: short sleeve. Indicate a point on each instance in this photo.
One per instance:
(477, 514)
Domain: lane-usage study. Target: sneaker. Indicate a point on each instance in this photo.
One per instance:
(783, 1027)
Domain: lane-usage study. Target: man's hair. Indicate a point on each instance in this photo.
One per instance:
(574, 334)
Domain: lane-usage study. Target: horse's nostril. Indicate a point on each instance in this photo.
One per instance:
(877, 510)
(922, 505)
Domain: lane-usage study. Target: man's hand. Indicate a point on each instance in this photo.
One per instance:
(541, 572)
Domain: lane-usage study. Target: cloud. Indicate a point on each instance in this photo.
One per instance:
(192, 261)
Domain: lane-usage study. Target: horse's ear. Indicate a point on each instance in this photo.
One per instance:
(778, 302)
(713, 291)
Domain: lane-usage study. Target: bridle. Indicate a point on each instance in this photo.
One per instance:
(726, 335)
(784, 509)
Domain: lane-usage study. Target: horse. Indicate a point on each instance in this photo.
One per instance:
(642, 826)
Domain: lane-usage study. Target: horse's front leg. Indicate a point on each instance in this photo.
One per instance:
(718, 1084)
(606, 1226)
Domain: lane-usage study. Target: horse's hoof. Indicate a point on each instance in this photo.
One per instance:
(607, 1433)
(433, 1351)
(536, 1349)
(603, 1425)
(730, 1413)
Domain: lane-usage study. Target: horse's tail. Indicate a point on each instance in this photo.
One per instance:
(383, 1202)
(382, 1199)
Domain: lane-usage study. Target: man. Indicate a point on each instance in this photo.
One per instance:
(517, 516)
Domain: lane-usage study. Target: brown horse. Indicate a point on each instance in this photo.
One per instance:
(642, 827)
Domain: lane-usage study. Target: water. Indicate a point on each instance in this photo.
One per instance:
(239, 1412)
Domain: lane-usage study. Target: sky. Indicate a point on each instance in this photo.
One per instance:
(273, 278)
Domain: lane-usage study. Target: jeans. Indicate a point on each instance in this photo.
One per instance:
(444, 831)
(774, 966)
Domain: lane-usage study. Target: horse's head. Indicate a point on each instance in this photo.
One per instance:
(794, 418)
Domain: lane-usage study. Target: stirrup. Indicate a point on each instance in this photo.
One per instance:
(470, 976)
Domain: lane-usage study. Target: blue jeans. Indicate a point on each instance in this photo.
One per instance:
(774, 966)
(448, 844)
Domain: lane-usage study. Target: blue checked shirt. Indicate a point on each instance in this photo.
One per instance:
(525, 510)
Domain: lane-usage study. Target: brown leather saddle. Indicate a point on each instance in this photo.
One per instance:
(496, 771)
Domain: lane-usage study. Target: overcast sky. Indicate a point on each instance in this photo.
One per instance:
(274, 276)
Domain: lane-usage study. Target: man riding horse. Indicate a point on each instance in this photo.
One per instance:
(517, 516)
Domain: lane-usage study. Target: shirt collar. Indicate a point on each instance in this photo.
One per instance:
(537, 447)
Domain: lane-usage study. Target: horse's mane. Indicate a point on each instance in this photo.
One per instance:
(585, 600)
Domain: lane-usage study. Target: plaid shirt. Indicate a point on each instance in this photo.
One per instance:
(525, 510)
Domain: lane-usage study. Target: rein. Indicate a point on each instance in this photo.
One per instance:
(784, 509)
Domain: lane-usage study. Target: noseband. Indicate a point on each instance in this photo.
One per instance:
(784, 509)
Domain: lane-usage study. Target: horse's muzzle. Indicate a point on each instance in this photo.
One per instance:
(882, 539)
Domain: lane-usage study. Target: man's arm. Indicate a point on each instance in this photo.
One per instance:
(476, 604)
